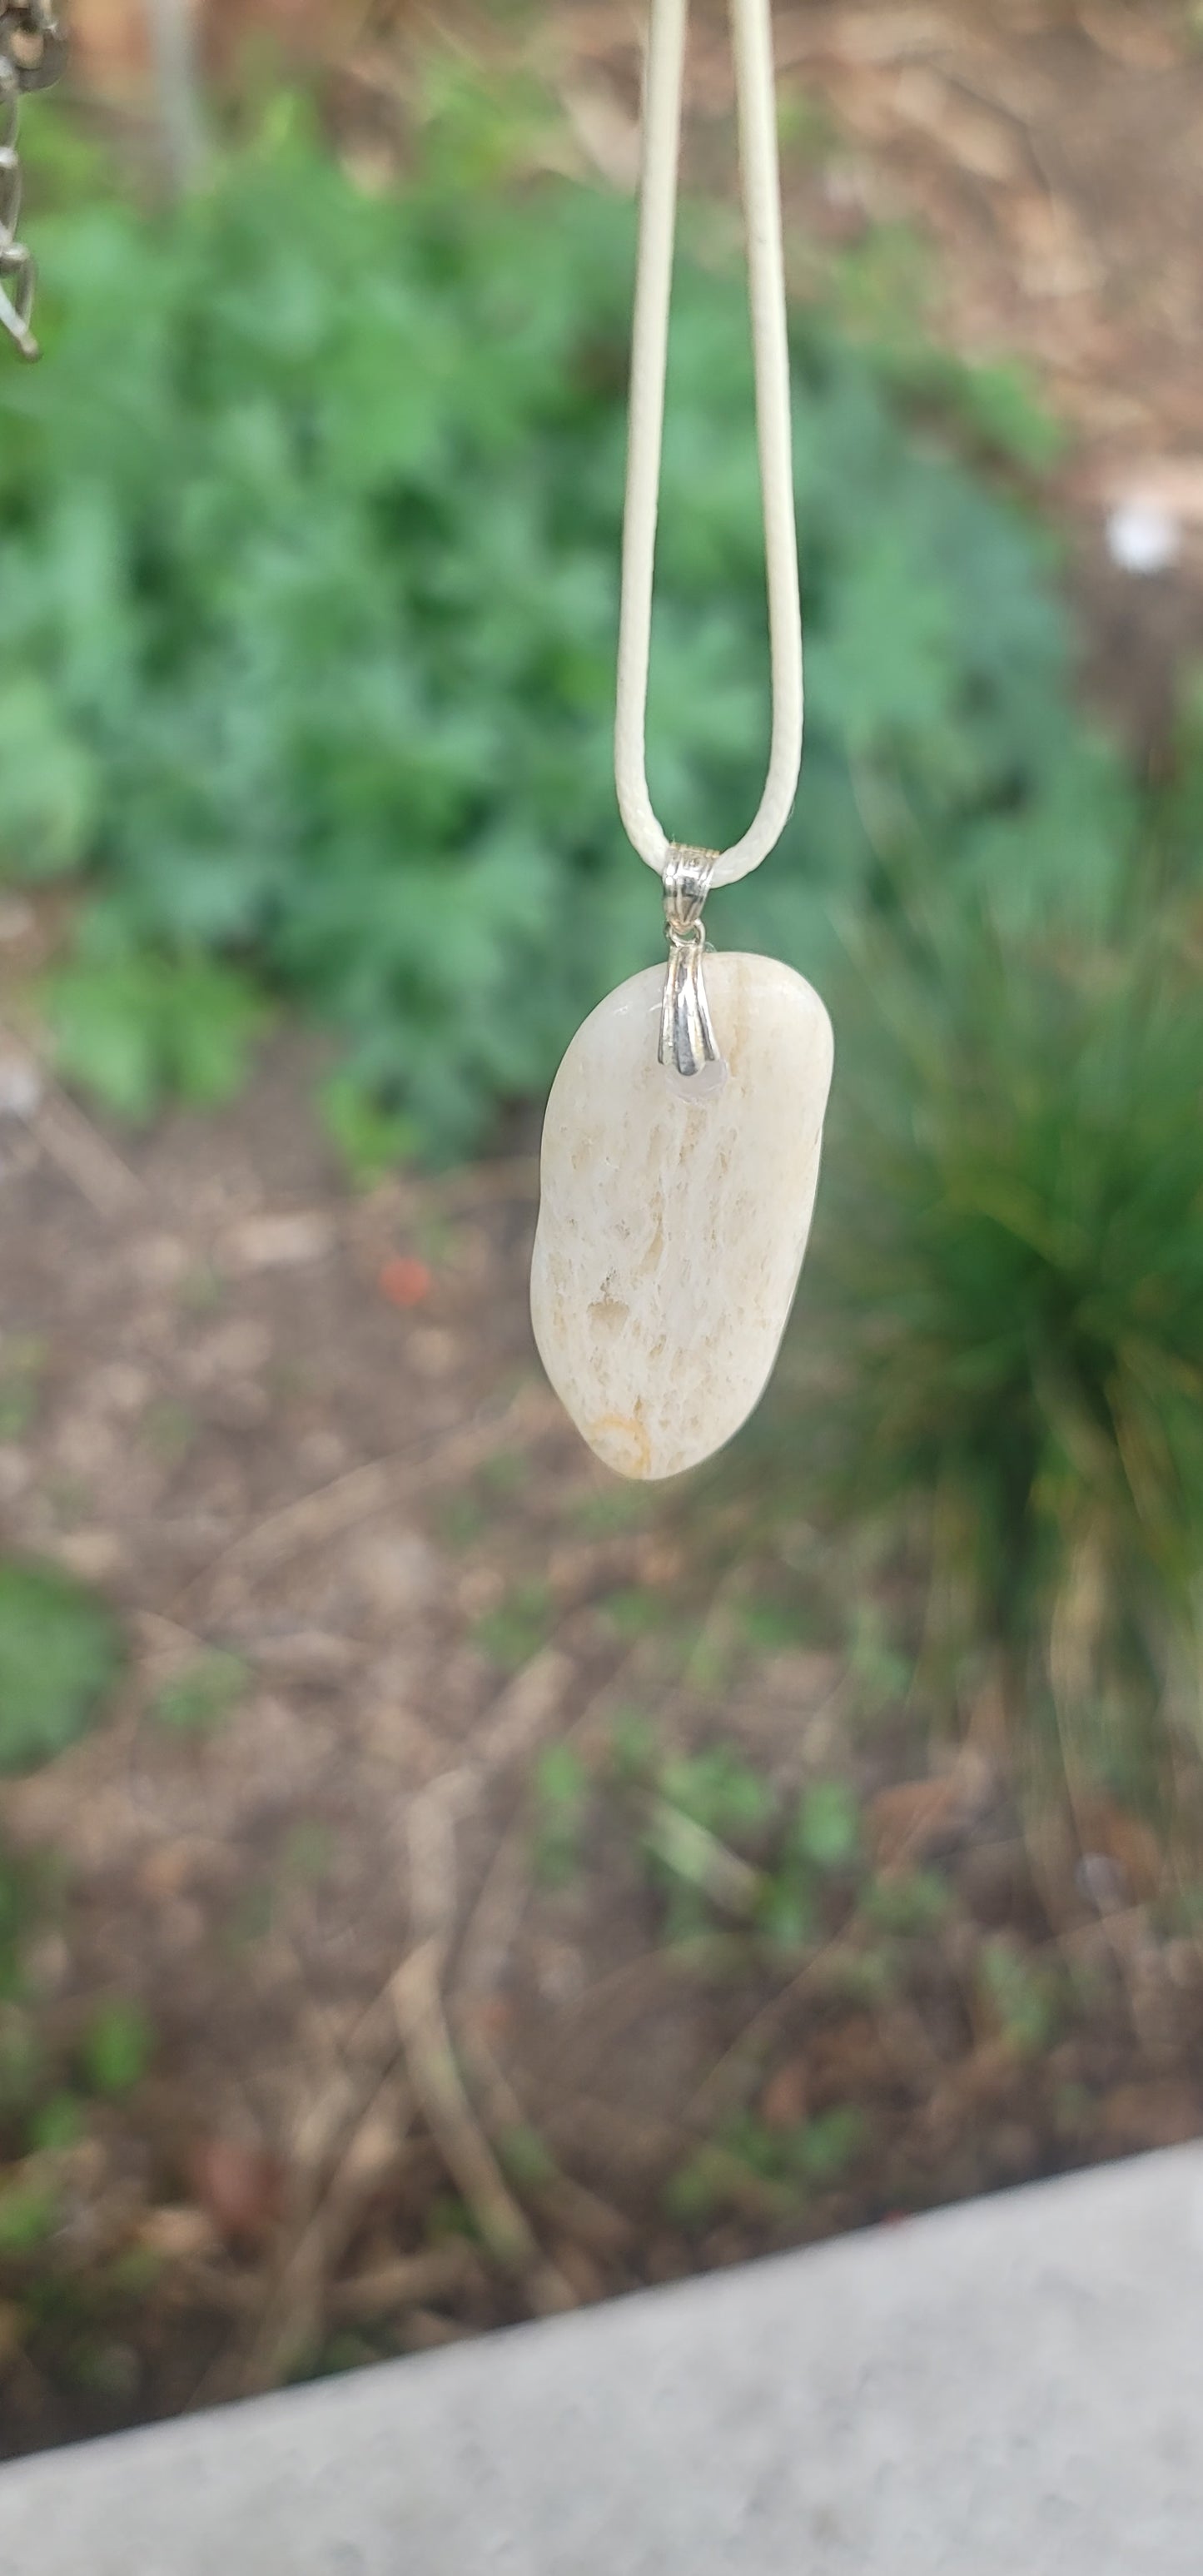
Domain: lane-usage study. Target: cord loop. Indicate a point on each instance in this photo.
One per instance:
(752, 38)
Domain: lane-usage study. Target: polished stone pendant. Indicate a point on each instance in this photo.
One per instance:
(680, 1162)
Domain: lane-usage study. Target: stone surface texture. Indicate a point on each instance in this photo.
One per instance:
(1012, 2388)
(671, 1233)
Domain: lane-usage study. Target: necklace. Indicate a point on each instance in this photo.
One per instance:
(683, 1132)
(32, 49)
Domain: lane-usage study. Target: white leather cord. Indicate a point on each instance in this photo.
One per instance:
(753, 43)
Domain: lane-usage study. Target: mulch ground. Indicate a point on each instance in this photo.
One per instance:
(419, 2070)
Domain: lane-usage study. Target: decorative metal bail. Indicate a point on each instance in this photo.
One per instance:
(33, 38)
(688, 1046)
(32, 52)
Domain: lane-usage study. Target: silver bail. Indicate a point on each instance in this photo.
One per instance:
(688, 1046)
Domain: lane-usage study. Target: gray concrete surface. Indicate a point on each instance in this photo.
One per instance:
(1012, 2388)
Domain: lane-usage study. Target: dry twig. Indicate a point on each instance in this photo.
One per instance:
(439, 2087)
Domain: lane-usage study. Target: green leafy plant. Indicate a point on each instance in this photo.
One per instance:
(22, 1359)
(633, 1612)
(699, 1817)
(59, 1655)
(722, 1851)
(29, 2213)
(718, 1790)
(203, 1695)
(138, 1029)
(1011, 1252)
(1021, 1994)
(117, 2047)
(632, 1747)
(827, 1832)
(56, 2125)
(910, 1903)
(527, 2159)
(766, 2171)
(561, 1797)
(516, 1629)
(22, 2063)
(370, 1139)
(311, 610)
(821, 1841)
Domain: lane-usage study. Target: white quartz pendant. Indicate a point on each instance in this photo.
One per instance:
(672, 1228)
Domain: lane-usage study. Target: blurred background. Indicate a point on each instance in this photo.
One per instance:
(441, 1884)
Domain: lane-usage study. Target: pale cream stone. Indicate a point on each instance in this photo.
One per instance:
(671, 1234)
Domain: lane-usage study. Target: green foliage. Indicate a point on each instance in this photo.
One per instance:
(632, 1747)
(822, 2148)
(786, 1913)
(21, 2059)
(1011, 1256)
(911, 1903)
(22, 1359)
(137, 1028)
(448, 2218)
(204, 1695)
(462, 1520)
(310, 620)
(50, 786)
(719, 1849)
(117, 2047)
(822, 1841)
(727, 1856)
(633, 1613)
(693, 2194)
(719, 1791)
(702, 1808)
(59, 1653)
(1023, 1996)
(602, 1511)
(768, 1625)
(828, 1827)
(369, 1138)
(516, 1629)
(527, 2158)
(17, 1901)
(768, 2171)
(56, 2125)
(878, 1673)
(506, 1472)
(561, 1799)
(29, 2213)
(1001, 403)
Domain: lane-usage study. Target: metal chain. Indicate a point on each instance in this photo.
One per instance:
(33, 50)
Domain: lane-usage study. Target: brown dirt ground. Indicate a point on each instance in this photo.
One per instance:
(368, 2006)
(404, 2088)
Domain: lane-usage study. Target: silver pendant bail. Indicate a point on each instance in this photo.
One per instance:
(688, 1047)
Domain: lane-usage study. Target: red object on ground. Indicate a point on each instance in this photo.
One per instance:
(405, 1281)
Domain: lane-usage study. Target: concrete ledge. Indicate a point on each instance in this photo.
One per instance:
(1012, 2388)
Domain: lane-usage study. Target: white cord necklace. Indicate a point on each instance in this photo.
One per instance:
(649, 359)
(682, 1138)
